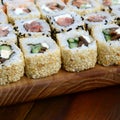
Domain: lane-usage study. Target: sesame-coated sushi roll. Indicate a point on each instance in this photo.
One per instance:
(3, 17)
(42, 56)
(50, 7)
(108, 42)
(22, 11)
(96, 19)
(11, 63)
(7, 34)
(115, 11)
(105, 4)
(83, 7)
(6, 2)
(78, 49)
(32, 27)
(65, 21)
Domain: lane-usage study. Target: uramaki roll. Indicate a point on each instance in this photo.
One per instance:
(65, 21)
(50, 7)
(32, 28)
(22, 11)
(7, 33)
(83, 7)
(108, 42)
(105, 4)
(78, 49)
(11, 63)
(42, 57)
(97, 19)
(115, 11)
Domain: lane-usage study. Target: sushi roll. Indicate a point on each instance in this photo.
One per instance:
(105, 4)
(22, 11)
(7, 33)
(32, 28)
(78, 49)
(115, 11)
(6, 2)
(108, 42)
(50, 7)
(96, 19)
(3, 17)
(11, 63)
(83, 7)
(42, 56)
(65, 21)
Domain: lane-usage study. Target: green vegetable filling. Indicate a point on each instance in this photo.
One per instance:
(111, 34)
(38, 48)
(73, 42)
(77, 42)
(5, 52)
(107, 34)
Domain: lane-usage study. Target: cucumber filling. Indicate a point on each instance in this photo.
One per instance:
(5, 52)
(78, 42)
(39, 48)
(111, 34)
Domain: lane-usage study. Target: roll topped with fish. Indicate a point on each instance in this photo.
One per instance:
(50, 7)
(108, 42)
(78, 49)
(11, 63)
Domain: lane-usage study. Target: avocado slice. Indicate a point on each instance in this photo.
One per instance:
(36, 48)
(5, 47)
(73, 45)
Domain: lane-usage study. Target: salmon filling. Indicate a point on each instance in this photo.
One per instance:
(107, 2)
(55, 6)
(64, 20)
(33, 27)
(110, 2)
(112, 34)
(3, 32)
(81, 3)
(96, 18)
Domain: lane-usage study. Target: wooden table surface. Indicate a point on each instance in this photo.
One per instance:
(99, 104)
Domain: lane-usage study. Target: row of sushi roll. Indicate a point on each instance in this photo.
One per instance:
(38, 37)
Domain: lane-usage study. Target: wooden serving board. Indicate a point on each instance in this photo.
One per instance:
(61, 83)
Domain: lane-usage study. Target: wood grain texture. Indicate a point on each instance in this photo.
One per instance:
(99, 104)
(15, 112)
(62, 83)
